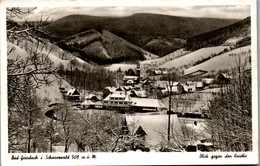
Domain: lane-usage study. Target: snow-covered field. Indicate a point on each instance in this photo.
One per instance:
(194, 56)
(223, 61)
(164, 59)
(232, 41)
(122, 66)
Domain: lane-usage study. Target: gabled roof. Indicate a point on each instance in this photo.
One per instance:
(72, 92)
(226, 75)
(165, 83)
(140, 93)
(155, 126)
(175, 83)
(89, 102)
(111, 88)
(89, 96)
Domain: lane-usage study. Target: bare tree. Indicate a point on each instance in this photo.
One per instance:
(25, 75)
(231, 112)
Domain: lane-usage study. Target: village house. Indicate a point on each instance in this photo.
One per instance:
(189, 86)
(73, 95)
(123, 100)
(207, 81)
(130, 80)
(153, 129)
(224, 78)
(108, 90)
(157, 72)
(199, 85)
(196, 132)
(176, 88)
(118, 99)
(146, 105)
(92, 101)
(138, 93)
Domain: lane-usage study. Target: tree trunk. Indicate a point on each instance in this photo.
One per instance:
(66, 145)
(29, 141)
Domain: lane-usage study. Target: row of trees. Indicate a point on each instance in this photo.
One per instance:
(87, 77)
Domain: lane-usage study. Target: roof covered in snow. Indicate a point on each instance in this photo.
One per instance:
(111, 88)
(130, 77)
(155, 126)
(118, 94)
(72, 92)
(144, 102)
(89, 102)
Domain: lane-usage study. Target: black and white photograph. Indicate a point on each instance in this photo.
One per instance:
(129, 80)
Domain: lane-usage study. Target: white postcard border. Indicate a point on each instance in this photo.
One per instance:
(130, 158)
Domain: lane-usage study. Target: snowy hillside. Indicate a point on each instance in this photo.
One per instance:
(223, 61)
(56, 55)
(169, 57)
(192, 57)
(157, 63)
(50, 91)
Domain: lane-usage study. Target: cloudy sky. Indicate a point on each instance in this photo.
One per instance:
(220, 11)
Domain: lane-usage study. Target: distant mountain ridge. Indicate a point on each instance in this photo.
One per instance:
(141, 29)
(104, 48)
(241, 29)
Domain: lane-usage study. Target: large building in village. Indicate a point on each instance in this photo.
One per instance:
(122, 100)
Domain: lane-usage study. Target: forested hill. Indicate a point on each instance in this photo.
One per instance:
(140, 29)
(219, 36)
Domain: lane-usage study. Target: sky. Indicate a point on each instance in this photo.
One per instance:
(216, 11)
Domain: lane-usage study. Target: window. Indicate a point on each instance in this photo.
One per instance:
(195, 123)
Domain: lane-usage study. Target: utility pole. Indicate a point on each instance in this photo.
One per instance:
(169, 112)
(171, 78)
